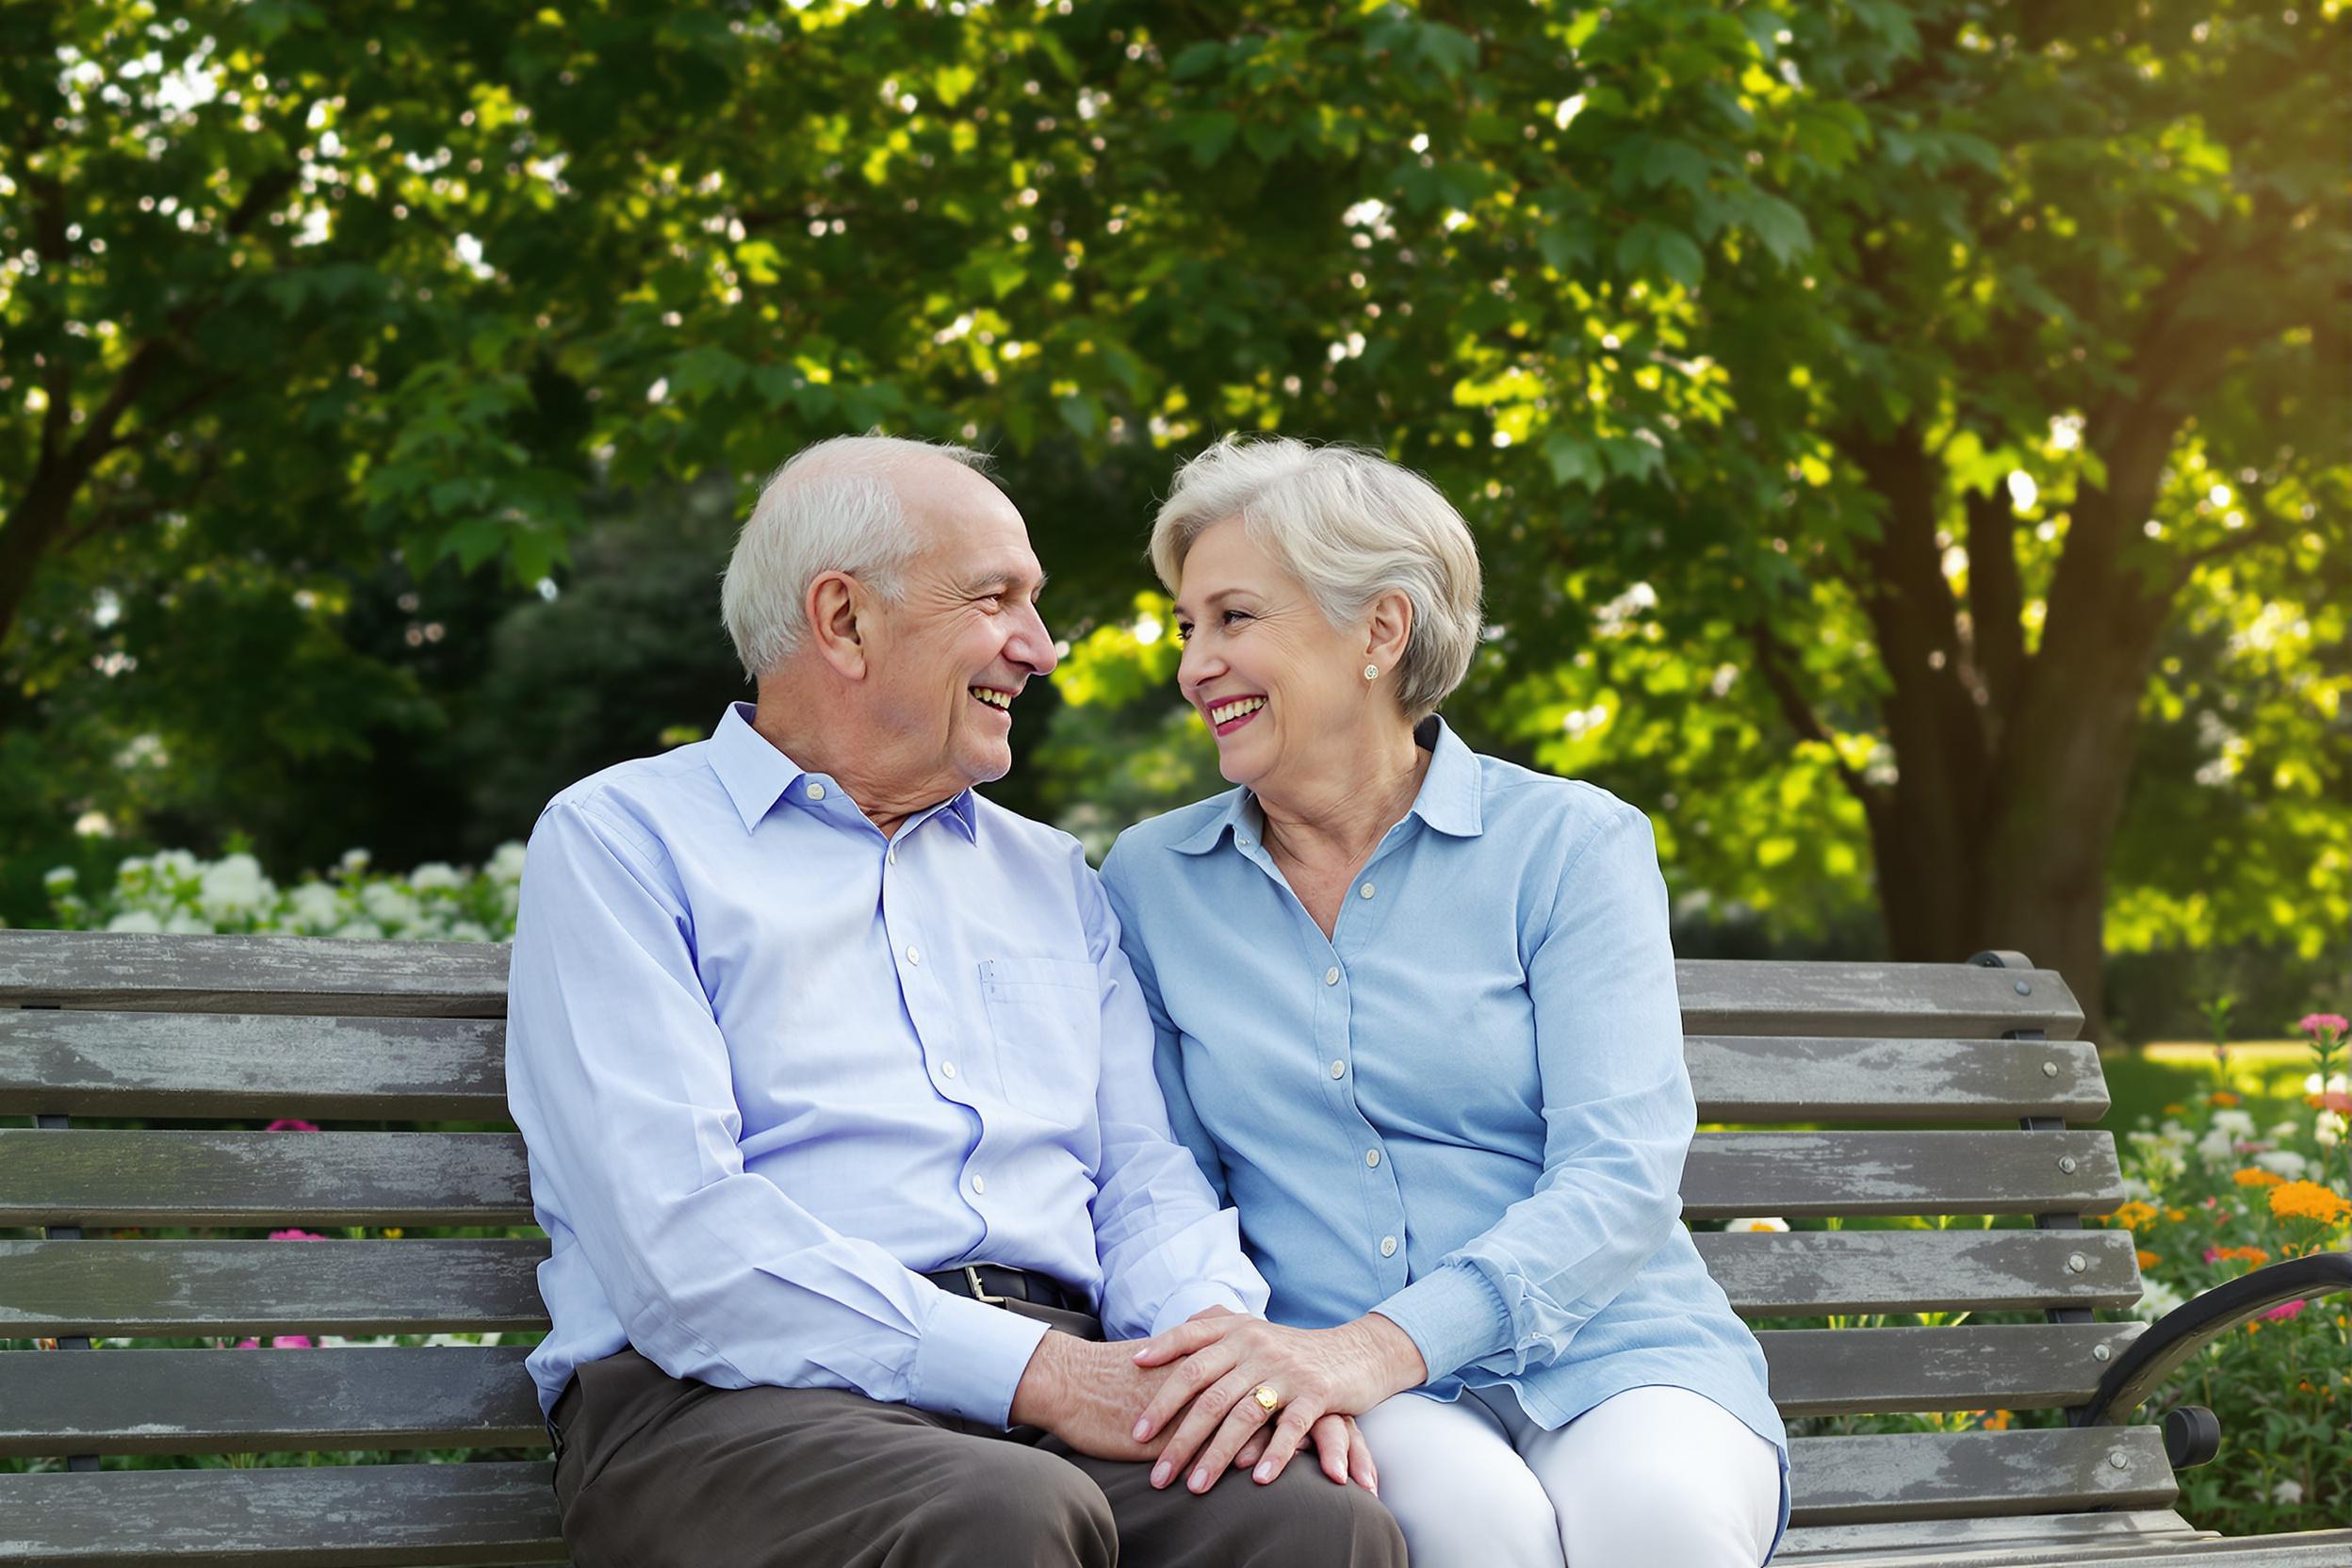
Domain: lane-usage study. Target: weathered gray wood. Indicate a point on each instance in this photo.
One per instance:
(2007, 1367)
(1726, 996)
(117, 1064)
(122, 1289)
(1932, 1173)
(353, 1516)
(280, 974)
(251, 974)
(1840, 1543)
(1767, 1078)
(179, 1178)
(230, 1402)
(1799, 1273)
(185, 1178)
(2022, 1549)
(1852, 1481)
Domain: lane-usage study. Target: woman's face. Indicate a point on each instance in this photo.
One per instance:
(1282, 689)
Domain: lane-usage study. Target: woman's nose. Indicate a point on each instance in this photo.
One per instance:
(1197, 665)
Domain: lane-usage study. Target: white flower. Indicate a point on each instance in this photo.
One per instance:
(2282, 1162)
(315, 906)
(2287, 1492)
(57, 877)
(468, 931)
(2215, 1148)
(1758, 1224)
(235, 887)
(178, 862)
(358, 931)
(355, 861)
(187, 922)
(2312, 1084)
(434, 875)
(388, 906)
(2237, 1123)
(2156, 1298)
(2331, 1130)
(506, 863)
(135, 920)
(2134, 1188)
(2283, 1130)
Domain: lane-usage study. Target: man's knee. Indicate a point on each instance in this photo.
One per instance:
(1011, 1503)
(1304, 1519)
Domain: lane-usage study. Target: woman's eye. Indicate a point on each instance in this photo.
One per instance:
(1233, 615)
(1184, 632)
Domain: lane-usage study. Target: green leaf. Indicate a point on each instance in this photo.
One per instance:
(1566, 247)
(1676, 162)
(950, 82)
(1207, 134)
(1651, 247)
(1449, 49)
(1081, 413)
(1778, 224)
(1574, 461)
(1196, 59)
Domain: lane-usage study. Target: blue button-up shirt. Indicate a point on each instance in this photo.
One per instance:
(771, 1069)
(1467, 1108)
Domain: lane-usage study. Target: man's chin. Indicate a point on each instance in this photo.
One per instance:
(986, 761)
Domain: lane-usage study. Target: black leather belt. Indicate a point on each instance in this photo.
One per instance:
(994, 1283)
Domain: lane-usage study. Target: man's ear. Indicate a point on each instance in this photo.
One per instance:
(835, 606)
(1389, 630)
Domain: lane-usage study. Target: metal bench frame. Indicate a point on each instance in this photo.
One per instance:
(208, 1029)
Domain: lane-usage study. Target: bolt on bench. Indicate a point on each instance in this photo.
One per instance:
(189, 1033)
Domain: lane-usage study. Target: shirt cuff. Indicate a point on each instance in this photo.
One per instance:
(972, 1358)
(1195, 1298)
(1453, 1315)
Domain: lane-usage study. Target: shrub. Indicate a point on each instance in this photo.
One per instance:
(174, 891)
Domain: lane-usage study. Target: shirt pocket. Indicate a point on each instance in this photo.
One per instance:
(1046, 1017)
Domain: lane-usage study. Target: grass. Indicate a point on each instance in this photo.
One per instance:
(2142, 1080)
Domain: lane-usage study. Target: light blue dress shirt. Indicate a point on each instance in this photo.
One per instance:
(1467, 1109)
(772, 1069)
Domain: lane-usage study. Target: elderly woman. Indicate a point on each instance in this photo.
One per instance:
(1417, 1021)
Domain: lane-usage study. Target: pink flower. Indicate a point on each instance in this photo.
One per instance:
(2334, 1022)
(302, 1342)
(2213, 1254)
(290, 1124)
(2285, 1314)
(296, 1235)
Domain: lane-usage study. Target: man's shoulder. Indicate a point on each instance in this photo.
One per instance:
(1008, 830)
(639, 797)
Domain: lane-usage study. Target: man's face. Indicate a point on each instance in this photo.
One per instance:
(950, 658)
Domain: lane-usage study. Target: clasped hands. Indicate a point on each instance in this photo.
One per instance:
(1184, 1399)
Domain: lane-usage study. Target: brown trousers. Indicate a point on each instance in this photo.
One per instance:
(656, 1472)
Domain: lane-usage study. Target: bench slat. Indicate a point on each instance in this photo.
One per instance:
(251, 974)
(281, 974)
(120, 1289)
(1856, 1480)
(180, 1178)
(1802, 1273)
(1863, 1371)
(2080, 1532)
(1768, 1078)
(2303, 1549)
(349, 1517)
(240, 1401)
(118, 1064)
(107, 1177)
(132, 1064)
(218, 1402)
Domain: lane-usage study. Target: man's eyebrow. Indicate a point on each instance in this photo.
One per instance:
(989, 583)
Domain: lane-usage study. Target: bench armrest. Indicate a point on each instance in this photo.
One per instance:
(2186, 1330)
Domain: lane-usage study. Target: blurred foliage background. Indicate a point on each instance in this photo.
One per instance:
(1910, 444)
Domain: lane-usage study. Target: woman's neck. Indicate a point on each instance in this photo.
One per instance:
(1334, 816)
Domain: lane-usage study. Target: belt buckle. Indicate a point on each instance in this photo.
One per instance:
(979, 1292)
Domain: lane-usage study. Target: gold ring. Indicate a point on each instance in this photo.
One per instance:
(1267, 1399)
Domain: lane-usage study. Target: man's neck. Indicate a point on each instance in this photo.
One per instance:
(796, 722)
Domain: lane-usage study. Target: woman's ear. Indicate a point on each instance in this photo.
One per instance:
(1389, 630)
(835, 604)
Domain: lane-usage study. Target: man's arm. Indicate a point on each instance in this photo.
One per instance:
(620, 1080)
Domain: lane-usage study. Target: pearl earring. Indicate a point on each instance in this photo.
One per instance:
(1371, 672)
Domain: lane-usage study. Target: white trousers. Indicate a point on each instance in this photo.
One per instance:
(1652, 1477)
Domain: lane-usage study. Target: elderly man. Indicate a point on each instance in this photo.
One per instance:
(840, 1102)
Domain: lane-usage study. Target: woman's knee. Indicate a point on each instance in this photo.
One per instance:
(1494, 1513)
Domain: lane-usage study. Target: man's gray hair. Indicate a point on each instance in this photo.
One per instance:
(1350, 525)
(832, 507)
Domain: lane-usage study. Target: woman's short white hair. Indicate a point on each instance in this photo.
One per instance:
(1350, 525)
(832, 507)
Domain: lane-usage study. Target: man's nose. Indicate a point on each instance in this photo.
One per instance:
(1032, 644)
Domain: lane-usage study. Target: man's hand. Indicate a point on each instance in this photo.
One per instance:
(1087, 1395)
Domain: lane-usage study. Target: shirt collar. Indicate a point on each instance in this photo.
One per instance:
(1448, 800)
(755, 774)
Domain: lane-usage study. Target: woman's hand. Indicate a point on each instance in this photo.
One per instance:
(1316, 1373)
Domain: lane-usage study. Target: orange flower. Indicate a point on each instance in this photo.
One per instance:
(1997, 1422)
(2223, 1097)
(2175, 1110)
(2309, 1200)
(2251, 1177)
(2148, 1259)
(2176, 1216)
(2253, 1256)
(2135, 1214)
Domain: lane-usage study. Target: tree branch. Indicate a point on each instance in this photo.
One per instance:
(1996, 599)
(1771, 664)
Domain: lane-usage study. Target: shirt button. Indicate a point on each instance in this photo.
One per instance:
(1339, 1070)
(816, 792)
(893, 856)
(979, 1184)
(947, 1070)
(1372, 1158)
(914, 954)
(1331, 975)
(1388, 1247)
(1365, 889)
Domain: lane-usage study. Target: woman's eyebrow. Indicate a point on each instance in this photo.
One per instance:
(1216, 598)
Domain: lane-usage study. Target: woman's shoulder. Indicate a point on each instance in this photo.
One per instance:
(1517, 796)
(1138, 846)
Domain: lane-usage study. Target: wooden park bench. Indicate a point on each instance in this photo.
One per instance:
(204, 1038)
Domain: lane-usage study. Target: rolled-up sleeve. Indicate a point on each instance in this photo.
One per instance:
(619, 1078)
(1618, 1116)
(1168, 1247)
